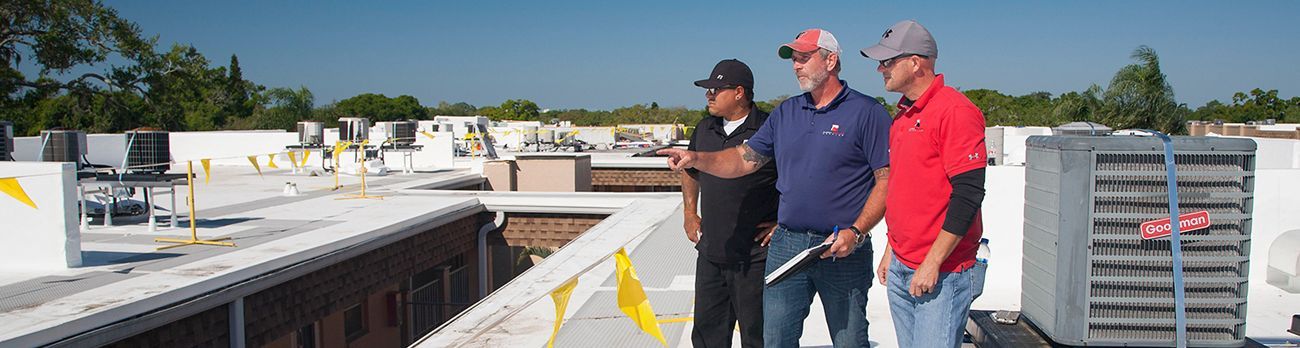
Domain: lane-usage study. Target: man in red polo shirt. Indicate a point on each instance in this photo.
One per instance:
(937, 153)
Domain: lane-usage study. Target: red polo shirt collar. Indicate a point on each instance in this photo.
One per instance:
(925, 98)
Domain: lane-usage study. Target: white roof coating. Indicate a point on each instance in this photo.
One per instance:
(124, 276)
(522, 314)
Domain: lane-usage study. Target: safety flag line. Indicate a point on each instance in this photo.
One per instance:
(632, 299)
(207, 170)
(293, 159)
(270, 161)
(11, 187)
(561, 298)
(253, 160)
(305, 154)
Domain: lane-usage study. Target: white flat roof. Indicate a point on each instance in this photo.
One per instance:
(522, 314)
(125, 276)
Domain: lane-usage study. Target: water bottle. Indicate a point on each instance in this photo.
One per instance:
(980, 269)
(982, 255)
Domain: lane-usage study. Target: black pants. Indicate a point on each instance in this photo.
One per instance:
(724, 295)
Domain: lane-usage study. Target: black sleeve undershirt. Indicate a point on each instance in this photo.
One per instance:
(964, 203)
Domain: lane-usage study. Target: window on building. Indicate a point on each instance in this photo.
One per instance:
(354, 321)
(306, 337)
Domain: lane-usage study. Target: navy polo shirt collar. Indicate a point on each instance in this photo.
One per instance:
(809, 103)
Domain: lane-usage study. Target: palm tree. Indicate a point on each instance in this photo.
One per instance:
(1139, 96)
(534, 254)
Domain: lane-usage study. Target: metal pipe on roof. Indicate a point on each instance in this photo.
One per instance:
(482, 252)
(236, 315)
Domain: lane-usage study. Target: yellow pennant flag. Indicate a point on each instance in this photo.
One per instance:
(207, 171)
(305, 154)
(253, 160)
(632, 299)
(293, 159)
(11, 187)
(339, 147)
(561, 298)
(427, 134)
(270, 161)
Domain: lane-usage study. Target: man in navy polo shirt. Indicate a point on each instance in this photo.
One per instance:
(831, 150)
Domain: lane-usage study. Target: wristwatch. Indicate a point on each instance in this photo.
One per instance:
(860, 237)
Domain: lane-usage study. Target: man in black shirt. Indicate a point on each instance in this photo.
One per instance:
(736, 219)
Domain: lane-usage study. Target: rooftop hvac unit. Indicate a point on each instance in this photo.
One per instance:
(399, 132)
(6, 141)
(311, 133)
(1082, 129)
(148, 151)
(60, 145)
(354, 129)
(546, 136)
(1089, 278)
(530, 134)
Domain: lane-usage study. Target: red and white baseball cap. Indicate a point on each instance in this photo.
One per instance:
(808, 41)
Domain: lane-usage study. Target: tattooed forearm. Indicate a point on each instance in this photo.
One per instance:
(882, 174)
(753, 156)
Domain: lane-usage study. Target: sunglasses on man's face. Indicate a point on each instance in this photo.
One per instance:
(889, 63)
(714, 91)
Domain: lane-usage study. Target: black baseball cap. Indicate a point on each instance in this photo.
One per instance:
(729, 72)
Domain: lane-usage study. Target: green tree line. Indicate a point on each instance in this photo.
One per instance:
(95, 71)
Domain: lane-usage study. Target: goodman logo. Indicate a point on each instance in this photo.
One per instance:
(1186, 223)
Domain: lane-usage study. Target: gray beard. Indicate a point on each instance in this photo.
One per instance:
(814, 81)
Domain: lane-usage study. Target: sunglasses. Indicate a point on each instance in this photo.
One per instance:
(714, 91)
(888, 63)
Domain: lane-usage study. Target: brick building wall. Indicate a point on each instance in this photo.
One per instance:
(210, 328)
(279, 310)
(545, 230)
(635, 180)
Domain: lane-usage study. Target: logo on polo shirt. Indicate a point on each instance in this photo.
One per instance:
(973, 156)
(835, 131)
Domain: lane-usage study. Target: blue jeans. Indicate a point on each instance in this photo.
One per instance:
(842, 285)
(936, 319)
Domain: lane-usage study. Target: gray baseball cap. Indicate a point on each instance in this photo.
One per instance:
(906, 37)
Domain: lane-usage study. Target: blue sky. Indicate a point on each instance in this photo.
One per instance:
(607, 54)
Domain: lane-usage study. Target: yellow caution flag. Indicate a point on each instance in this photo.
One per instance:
(11, 187)
(339, 147)
(427, 134)
(293, 159)
(207, 171)
(561, 298)
(253, 160)
(270, 161)
(632, 299)
(305, 154)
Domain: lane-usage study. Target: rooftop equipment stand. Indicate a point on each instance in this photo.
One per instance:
(363, 177)
(194, 235)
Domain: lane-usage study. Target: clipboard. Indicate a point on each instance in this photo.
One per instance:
(799, 262)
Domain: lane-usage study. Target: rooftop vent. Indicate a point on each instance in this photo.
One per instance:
(148, 151)
(1089, 277)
